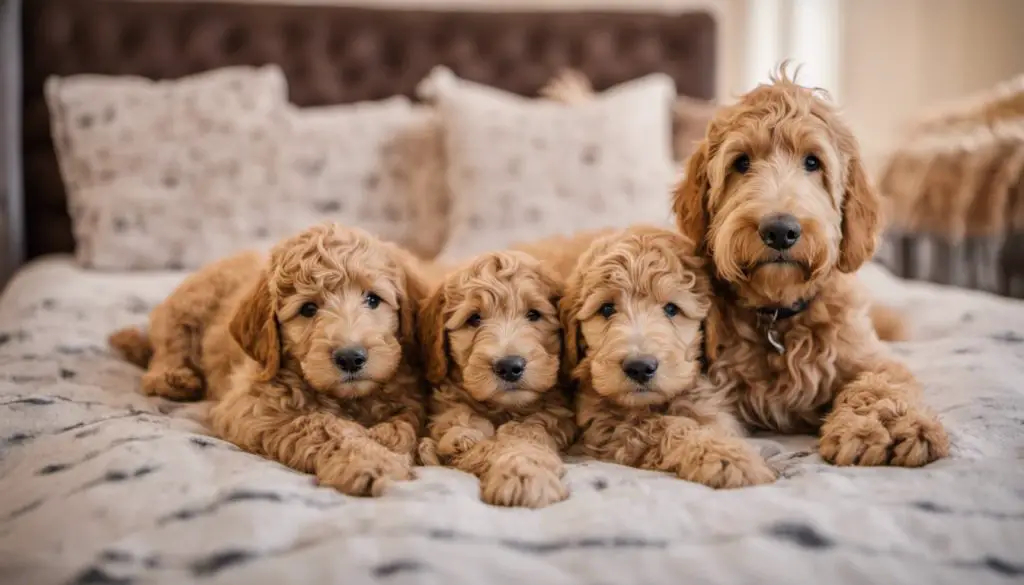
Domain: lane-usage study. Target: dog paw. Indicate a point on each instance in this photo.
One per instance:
(399, 436)
(426, 452)
(910, 439)
(173, 384)
(723, 462)
(524, 486)
(369, 477)
(458, 441)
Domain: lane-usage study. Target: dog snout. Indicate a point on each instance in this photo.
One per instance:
(350, 359)
(640, 369)
(780, 231)
(510, 368)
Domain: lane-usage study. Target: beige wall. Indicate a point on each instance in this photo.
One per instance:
(899, 56)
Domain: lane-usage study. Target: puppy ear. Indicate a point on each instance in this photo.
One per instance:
(690, 197)
(432, 336)
(411, 297)
(574, 347)
(254, 328)
(862, 217)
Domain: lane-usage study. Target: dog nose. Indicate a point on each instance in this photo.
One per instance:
(779, 231)
(640, 369)
(510, 368)
(350, 359)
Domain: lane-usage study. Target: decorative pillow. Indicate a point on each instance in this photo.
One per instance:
(175, 174)
(521, 169)
(690, 116)
(168, 174)
(376, 165)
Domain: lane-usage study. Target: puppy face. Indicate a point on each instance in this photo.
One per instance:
(632, 314)
(493, 326)
(337, 305)
(777, 196)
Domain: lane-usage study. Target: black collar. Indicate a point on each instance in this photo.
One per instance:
(780, 313)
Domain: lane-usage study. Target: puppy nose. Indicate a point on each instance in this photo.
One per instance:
(640, 369)
(510, 368)
(779, 231)
(350, 359)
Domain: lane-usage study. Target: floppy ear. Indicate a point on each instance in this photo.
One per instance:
(411, 298)
(862, 217)
(690, 198)
(254, 328)
(574, 346)
(432, 336)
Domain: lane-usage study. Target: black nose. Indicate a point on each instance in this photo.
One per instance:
(350, 359)
(780, 231)
(640, 369)
(510, 368)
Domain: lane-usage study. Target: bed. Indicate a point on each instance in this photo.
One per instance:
(100, 485)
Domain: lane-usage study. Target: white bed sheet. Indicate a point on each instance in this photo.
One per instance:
(101, 485)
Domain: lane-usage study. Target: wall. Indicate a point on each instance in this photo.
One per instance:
(899, 56)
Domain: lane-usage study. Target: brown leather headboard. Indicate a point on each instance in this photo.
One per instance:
(331, 54)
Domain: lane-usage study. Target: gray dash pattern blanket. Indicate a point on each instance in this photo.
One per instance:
(100, 485)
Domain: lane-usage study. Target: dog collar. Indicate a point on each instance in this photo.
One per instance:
(767, 317)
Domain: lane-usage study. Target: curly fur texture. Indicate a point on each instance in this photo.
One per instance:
(642, 293)
(260, 336)
(508, 433)
(834, 375)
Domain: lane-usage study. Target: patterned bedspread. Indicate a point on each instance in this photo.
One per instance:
(99, 485)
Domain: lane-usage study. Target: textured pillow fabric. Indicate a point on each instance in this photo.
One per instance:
(376, 165)
(175, 174)
(521, 169)
(168, 174)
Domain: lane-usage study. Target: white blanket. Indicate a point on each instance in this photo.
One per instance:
(100, 485)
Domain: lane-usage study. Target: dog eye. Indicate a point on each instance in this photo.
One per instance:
(812, 163)
(474, 320)
(741, 164)
(607, 310)
(671, 310)
(372, 300)
(308, 310)
(533, 315)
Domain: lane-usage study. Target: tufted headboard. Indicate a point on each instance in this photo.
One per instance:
(330, 54)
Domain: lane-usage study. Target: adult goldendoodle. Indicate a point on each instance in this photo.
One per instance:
(310, 354)
(493, 344)
(778, 199)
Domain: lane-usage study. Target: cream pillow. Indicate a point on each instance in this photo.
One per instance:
(521, 169)
(175, 174)
(376, 165)
(168, 174)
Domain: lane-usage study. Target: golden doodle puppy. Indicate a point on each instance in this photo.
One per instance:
(632, 314)
(493, 343)
(311, 355)
(779, 201)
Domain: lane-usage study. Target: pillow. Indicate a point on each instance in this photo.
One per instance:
(521, 170)
(176, 174)
(376, 165)
(168, 174)
(690, 116)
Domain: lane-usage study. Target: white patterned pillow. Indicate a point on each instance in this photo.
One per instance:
(174, 174)
(168, 174)
(522, 169)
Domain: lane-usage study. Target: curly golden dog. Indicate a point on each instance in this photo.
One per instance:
(493, 343)
(632, 314)
(778, 199)
(311, 355)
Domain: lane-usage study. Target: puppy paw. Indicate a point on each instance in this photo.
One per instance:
(722, 462)
(522, 485)
(909, 439)
(173, 383)
(458, 441)
(398, 436)
(369, 476)
(426, 452)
